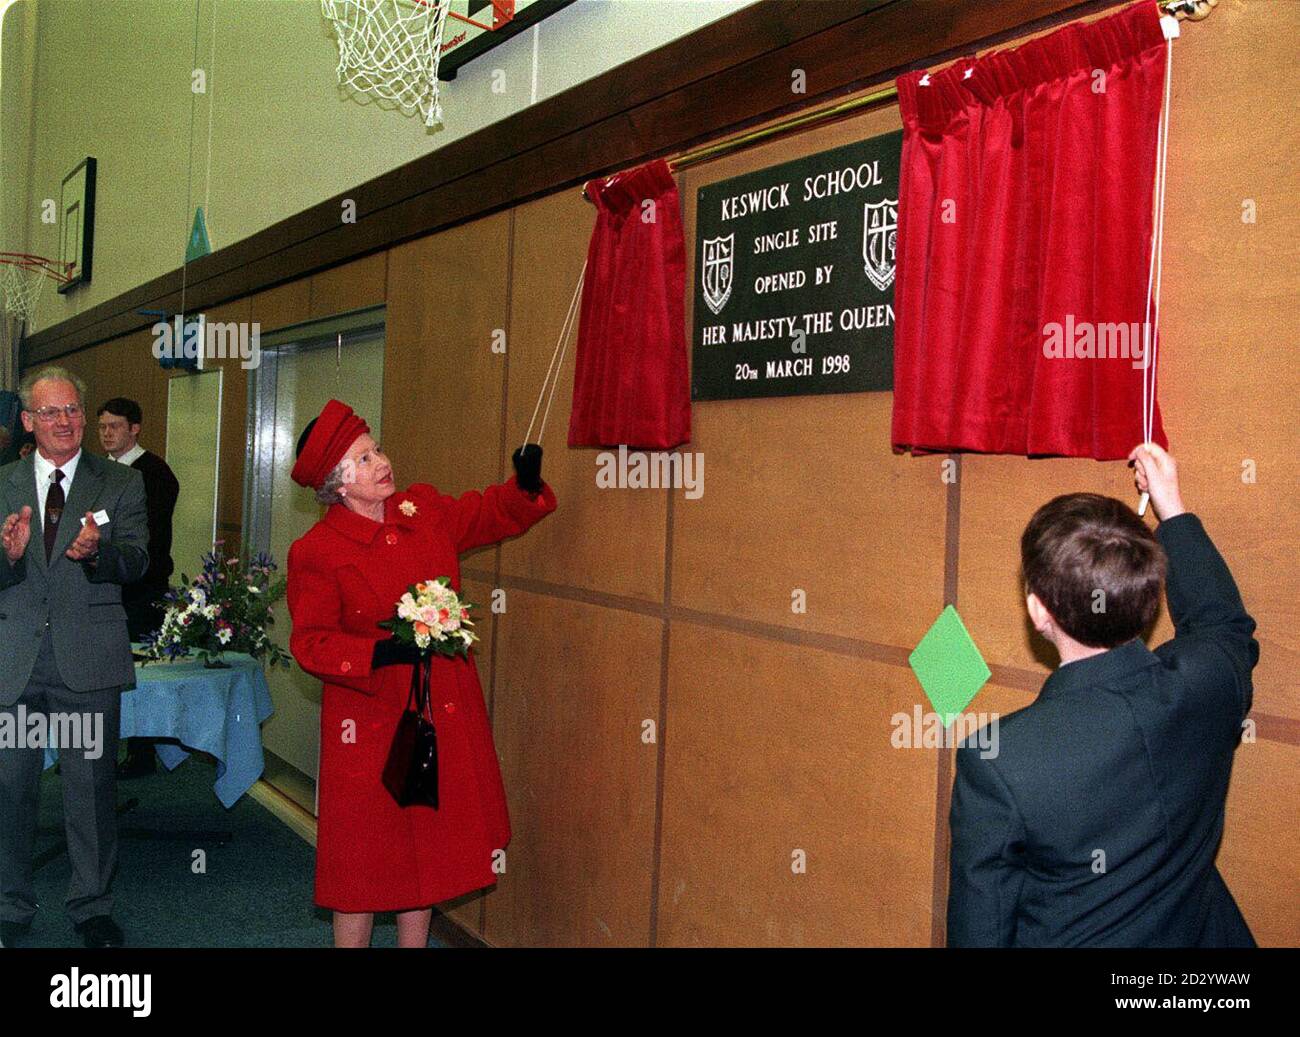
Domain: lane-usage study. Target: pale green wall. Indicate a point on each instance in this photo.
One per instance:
(17, 71)
(112, 79)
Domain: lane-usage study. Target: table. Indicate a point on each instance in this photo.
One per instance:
(217, 711)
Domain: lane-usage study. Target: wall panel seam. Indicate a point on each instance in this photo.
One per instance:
(661, 733)
(944, 758)
(501, 468)
(1285, 730)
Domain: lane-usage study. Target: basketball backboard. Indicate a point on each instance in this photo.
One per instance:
(465, 41)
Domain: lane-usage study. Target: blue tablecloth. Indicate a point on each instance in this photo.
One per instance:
(217, 711)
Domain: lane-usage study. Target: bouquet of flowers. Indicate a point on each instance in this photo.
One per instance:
(226, 608)
(433, 617)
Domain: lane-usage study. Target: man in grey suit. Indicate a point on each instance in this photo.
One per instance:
(76, 529)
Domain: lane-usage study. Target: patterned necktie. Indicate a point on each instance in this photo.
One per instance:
(53, 510)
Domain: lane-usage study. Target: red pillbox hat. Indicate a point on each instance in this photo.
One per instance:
(336, 429)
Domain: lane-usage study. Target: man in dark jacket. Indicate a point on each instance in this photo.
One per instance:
(120, 421)
(1098, 820)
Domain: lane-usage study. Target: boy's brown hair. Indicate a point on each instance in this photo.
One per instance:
(1095, 566)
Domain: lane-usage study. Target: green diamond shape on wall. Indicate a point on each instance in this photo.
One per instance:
(948, 665)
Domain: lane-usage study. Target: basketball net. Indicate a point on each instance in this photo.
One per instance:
(391, 48)
(21, 279)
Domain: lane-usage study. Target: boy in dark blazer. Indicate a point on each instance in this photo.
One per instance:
(1098, 820)
(120, 421)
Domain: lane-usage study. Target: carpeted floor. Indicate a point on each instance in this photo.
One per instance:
(251, 890)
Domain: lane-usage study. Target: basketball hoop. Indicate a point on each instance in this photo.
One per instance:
(22, 276)
(391, 48)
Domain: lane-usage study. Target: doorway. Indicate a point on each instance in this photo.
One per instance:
(301, 369)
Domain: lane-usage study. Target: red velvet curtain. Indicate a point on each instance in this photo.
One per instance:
(1026, 205)
(631, 383)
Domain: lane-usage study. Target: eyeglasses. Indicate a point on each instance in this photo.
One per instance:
(48, 414)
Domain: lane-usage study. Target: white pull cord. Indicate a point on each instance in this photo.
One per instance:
(1150, 330)
(560, 353)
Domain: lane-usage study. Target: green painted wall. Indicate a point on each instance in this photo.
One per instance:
(112, 79)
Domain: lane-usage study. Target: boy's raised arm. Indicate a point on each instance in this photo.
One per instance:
(1204, 602)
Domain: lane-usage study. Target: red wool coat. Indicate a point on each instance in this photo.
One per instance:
(345, 576)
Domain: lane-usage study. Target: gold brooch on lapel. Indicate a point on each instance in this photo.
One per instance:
(407, 508)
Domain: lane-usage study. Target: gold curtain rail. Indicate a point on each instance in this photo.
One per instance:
(1192, 10)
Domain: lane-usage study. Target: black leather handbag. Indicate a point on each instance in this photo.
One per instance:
(411, 772)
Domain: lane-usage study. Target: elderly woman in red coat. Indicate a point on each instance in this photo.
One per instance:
(344, 577)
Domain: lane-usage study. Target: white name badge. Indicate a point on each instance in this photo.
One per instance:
(100, 517)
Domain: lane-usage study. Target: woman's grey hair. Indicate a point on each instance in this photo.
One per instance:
(51, 373)
(328, 491)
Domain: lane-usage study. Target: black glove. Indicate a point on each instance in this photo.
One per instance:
(392, 652)
(528, 467)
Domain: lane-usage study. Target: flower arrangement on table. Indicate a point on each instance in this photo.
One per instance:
(434, 618)
(226, 608)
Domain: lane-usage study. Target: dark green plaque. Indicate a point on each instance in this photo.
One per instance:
(794, 276)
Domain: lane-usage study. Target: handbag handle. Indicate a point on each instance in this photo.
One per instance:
(420, 693)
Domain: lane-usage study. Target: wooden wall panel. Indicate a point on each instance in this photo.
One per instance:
(110, 377)
(144, 381)
(442, 382)
(283, 305)
(468, 910)
(580, 781)
(480, 593)
(85, 365)
(1259, 857)
(129, 368)
(804, 492)
(577, 547)
(234, 431)
(350, 286)
(773, 748)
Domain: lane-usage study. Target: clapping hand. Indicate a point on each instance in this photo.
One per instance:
(87, 543)
(15, 534)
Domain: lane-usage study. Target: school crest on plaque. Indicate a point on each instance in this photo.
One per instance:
(716, 271)
(879, 239)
